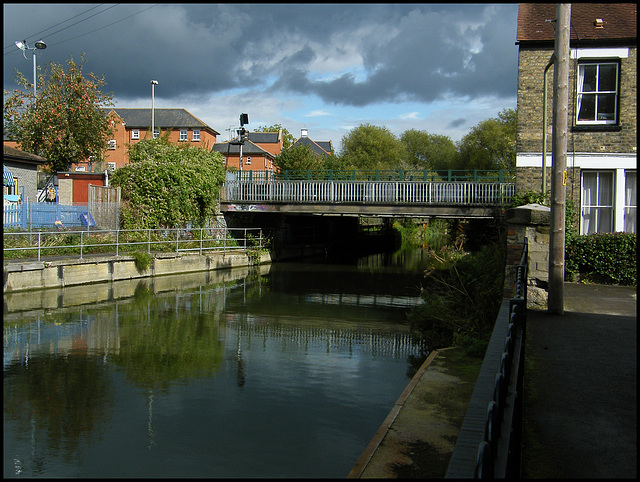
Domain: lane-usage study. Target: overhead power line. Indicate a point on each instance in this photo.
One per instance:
(64, 21)
(80, 21)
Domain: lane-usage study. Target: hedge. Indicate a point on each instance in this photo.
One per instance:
(602, 257)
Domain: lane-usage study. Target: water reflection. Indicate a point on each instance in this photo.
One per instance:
(271, 374)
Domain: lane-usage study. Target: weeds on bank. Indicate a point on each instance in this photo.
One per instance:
(461, 298)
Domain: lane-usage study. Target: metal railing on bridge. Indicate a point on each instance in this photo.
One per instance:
(415, 175)
(462, 193)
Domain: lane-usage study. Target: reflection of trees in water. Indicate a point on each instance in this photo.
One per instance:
(68, 397)
(161, 342)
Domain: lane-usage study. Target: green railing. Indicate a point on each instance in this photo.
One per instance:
(417, 175)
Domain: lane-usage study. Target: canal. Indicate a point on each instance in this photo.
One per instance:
(285, 370)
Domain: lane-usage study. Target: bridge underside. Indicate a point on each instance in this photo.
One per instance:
(364, 210)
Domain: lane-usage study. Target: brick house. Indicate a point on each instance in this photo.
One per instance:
(602, 156)
(258, 151)
(132, 125)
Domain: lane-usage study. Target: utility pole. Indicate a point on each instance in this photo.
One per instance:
(559, 154)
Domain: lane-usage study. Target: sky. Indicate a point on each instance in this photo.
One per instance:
(327, 68)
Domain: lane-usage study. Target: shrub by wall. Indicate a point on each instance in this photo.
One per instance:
(602, 258)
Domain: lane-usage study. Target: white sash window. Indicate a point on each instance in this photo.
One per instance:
(630, 201)
(597, 202)
(597, 101)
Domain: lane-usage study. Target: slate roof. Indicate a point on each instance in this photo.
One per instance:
(163, 118)
(264, 137)
(322, 148)
(11, 153)
(248, 149)
(619, 22)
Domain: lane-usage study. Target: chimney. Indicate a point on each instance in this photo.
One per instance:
(303, 132)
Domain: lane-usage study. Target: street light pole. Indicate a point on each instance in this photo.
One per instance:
(153, 119)
(39, 45)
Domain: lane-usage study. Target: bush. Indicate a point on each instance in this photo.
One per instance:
(602, 257)
(461, 303)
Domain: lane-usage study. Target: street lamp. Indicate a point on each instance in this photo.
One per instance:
(39, 45)
(153, 120)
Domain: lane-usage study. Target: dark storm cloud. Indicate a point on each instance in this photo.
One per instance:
(344, 54)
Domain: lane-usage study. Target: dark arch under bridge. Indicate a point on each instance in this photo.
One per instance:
(370, 198)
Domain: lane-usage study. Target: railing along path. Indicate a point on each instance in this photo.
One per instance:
(488, 444)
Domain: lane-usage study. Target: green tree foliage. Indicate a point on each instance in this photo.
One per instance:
(287, 138)
(429, 151)
(64, 123)
(491, 144)
(167, 185)
(372, 147)
(298, 157)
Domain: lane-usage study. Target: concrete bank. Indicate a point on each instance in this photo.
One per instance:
(418, 436)
(60, 272)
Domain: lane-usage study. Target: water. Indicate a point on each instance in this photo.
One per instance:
(287, 372)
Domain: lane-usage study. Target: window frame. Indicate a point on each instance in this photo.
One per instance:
(598, 62)
(195, 135)
(598, 208)
(184, 135)
(135, 134)
(630, 223)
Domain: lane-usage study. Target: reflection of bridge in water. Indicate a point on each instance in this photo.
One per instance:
(342, 338)
(386, 301)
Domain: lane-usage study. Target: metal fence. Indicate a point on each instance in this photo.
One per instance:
(489, 441)
(416, 175)
(363, 192)
(20, 245)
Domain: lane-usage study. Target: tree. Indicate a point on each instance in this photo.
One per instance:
(491, 144)
(372, 147)
(64, 122)
(167, 185)
(298, 158)
(287, 139)
(429, 151)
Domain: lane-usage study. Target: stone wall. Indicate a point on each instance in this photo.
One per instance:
(620, 138)
(531, 222)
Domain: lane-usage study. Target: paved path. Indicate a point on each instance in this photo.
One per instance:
(580, 398)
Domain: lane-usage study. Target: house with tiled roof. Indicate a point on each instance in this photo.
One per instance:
(258, 151)
(321, 148)
(601, 179)
(132, 125)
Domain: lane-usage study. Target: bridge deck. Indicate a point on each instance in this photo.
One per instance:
(368, 198)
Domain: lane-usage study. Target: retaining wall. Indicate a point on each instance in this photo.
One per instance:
(30, 275)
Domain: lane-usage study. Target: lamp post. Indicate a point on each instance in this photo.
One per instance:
(153, 119)
(39, 45)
